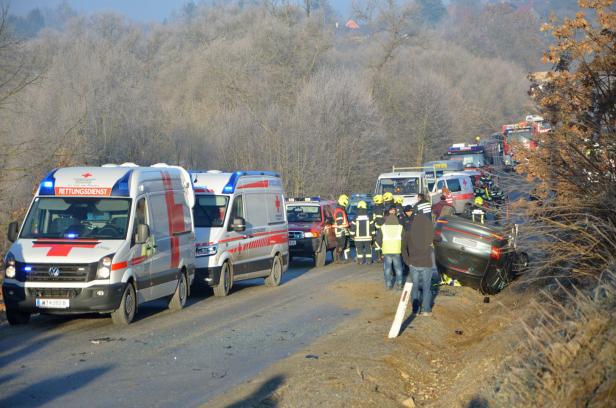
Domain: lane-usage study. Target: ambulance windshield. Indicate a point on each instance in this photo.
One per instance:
(209, 211)
(78, 217)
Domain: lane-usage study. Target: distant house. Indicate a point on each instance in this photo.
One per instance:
(352, 25)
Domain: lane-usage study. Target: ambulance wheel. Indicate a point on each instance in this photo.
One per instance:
(224, 282)
(16, 317)
(276, 273)
(178, 300)
(321, 256)
(128, 306)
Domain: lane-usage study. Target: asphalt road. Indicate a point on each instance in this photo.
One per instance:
(165, 359)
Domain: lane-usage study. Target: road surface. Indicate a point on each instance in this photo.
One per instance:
(168, 359)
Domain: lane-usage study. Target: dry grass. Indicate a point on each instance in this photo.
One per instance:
(569, 358)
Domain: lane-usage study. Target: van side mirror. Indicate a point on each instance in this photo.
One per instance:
(12, 231)
(239, 224)
(143, 233)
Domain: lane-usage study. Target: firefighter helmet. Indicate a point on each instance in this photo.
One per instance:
(388, 197)
(478, 201)
(362, 204)
(377, 199)
(398, 199)
(343, 200)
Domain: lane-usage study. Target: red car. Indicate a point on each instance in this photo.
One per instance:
(311, 232)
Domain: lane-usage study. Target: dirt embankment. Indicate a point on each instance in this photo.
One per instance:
(444, 360)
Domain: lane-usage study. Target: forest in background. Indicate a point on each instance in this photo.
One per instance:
(260, 85)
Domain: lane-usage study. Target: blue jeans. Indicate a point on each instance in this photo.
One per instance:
(422, 278)
(389, 261)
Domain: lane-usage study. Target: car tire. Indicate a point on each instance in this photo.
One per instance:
(276, 272)
(321, 255)
(224, 282)
(125, 314)
(16, 317)
(178, 300)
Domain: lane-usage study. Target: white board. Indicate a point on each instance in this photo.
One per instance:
(404, 301)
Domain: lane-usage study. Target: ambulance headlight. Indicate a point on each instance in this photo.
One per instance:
(311, 234)
(206, 250)
(104, 268)
(9, 270)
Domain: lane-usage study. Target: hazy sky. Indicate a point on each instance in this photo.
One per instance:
(139, 10)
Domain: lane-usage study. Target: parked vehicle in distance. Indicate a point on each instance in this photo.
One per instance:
(461, 187)
(103, 240)
(407, 182)
(311, 232)
(471, 155)
(241, 228)
(479, 256)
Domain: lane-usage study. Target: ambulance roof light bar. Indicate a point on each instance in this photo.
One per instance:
(230, 187)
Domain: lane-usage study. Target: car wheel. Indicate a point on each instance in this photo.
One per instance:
(178, 300)
(16, 317)
(224, 282)
(276, 273)
(128, 307)
(321, 256)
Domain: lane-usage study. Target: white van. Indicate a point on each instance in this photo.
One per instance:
(102, 239)
(241, 228)
(400, 181)
(459, 184)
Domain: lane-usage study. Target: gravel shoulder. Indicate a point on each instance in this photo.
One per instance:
(444, 360)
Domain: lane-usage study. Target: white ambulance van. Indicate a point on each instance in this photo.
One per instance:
(241, 228)
(102, 239)
(405, 182)
(459, 184)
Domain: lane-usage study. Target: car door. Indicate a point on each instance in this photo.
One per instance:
(164, 258)
(328, 228)
(235, 242)
(260, 250)
(138, 259)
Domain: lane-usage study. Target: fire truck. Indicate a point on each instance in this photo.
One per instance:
(525, 133)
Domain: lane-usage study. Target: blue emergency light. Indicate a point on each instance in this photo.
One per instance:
(27, 268)
(47, 185)
(121, 187)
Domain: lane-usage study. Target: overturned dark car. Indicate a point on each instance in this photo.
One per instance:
(477, 255)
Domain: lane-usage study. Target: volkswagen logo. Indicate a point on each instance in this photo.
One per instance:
(54, 271)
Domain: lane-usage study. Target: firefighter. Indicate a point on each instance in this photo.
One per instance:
(388, 201)
(398, 200)
(377, 221)
(341, 229)
(362, 230)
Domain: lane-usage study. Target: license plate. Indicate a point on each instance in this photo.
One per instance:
(52, 303)
(292, 242)
(465, 242)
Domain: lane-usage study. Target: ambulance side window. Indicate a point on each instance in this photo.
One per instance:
(141, 216)
(237, 211)
(454, 185)
(439, 185)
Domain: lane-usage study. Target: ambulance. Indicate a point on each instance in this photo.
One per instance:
(104, 240)
(241, 228)
(460, 184)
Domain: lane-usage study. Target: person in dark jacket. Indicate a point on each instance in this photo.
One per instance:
(417, 254)
(407, 217)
